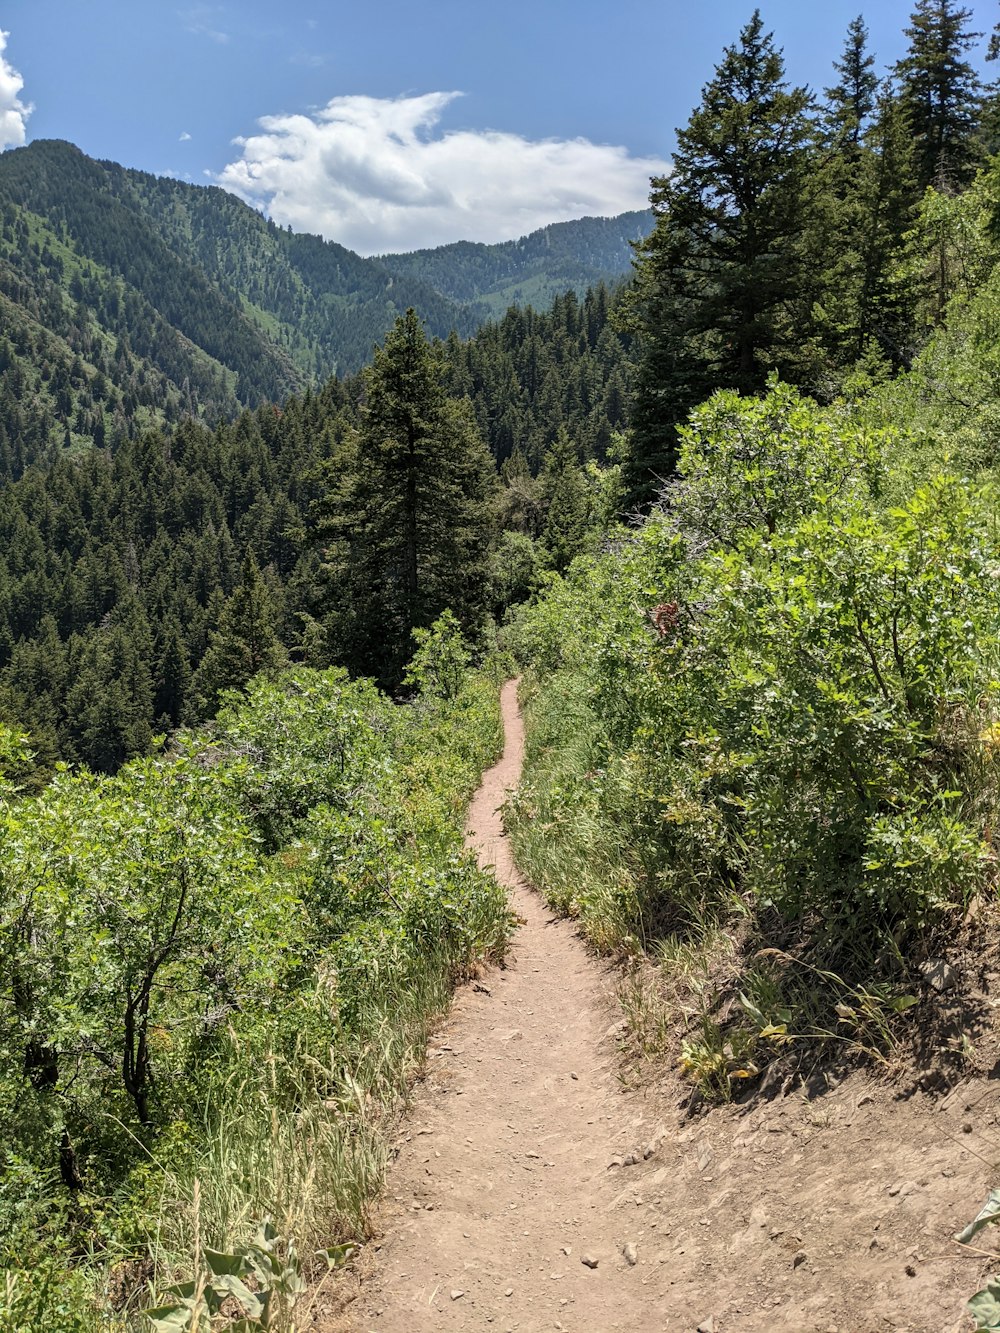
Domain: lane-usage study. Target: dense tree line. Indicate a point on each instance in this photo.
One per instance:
(533, 373)
(794, 233)
(118, 568)
(140, 580)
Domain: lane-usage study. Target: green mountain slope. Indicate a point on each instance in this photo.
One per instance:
(533, 270)
(129, 300)
(275, 306)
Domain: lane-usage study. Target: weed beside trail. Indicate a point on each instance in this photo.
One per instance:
(220, 968)
(762, 740)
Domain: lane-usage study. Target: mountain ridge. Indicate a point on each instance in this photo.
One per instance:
(132, 300)
(534, 268)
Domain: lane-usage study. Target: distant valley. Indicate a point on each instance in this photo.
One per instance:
(128, 299)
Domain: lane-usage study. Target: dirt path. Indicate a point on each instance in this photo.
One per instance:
(830, 1209)
(503, 1185)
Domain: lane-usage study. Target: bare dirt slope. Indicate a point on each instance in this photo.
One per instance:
(825, 1212)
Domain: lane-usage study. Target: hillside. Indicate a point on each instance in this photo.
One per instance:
(115, 563)
(130, 300)
(531, 271)
(140, 291)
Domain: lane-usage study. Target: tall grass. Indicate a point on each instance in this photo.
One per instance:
(301, 1137)
(563, 840)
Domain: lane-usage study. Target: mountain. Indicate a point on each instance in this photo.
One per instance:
(532, 271)
(129, 300)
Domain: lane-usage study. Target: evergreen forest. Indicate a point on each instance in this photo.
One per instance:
(719, 482)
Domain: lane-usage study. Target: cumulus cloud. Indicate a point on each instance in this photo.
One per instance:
(184, 137)
(13, 112)
(377, 175)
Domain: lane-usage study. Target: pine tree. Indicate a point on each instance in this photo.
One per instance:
(889, 206)
(173, 678)
(244, 642)
(723, 293)
(866, 193)
(852, 100)
(411, 522)
(837, 224)
(941, 94)
(564, 492)
(989, 129)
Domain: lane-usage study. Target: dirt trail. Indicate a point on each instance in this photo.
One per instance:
(829, 1209)
(504, 1184)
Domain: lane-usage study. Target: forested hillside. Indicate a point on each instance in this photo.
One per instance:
(566, 256)
(132, 300)
(126, 571)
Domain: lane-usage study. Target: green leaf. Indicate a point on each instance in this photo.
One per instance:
(752, 1011)
(221, 1265)
(989, 1212)
(230, 1285)
(169, 1318)
(338, 1254)
(985, 1307)
(185, 1290)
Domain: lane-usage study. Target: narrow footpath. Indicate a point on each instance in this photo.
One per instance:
(533, 1192)
(499, 1208)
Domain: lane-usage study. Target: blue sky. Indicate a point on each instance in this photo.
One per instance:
(393, 124)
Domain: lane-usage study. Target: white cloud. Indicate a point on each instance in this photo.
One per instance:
(371, 174)
(13, 112)
(184, 137)
(201, 21)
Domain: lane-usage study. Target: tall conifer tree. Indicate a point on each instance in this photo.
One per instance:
(838, 222)
(412, 518)
(889, 205)
(866, 205)
(852, 100)
(989, 129)
(722, 294)
(244, 642)
(941, 94)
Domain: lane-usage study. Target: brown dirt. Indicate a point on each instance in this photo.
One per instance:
(829, 1210)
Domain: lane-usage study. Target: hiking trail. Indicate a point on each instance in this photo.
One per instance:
(503, 1186)
(522, 1155)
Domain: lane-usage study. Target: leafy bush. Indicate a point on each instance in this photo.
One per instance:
(773, 704)
(218, 969)
(46, 1296)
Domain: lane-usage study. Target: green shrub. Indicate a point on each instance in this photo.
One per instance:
(219, 967)
(773, 705)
